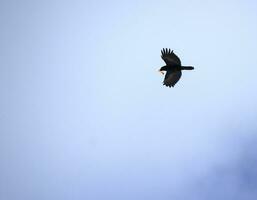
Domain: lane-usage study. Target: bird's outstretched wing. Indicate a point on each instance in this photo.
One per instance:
(169, 57)
(171, 78)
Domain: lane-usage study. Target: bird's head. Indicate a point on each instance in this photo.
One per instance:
(162, 69)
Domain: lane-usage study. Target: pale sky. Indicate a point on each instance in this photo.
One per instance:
(84, 114)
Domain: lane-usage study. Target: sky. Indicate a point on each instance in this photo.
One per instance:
(84, 114)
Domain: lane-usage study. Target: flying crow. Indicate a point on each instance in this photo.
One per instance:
(173, 67)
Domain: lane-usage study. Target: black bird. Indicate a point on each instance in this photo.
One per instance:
(173, 67)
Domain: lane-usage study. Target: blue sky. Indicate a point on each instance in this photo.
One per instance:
(84, 114)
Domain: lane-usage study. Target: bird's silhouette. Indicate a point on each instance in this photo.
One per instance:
(173, 67)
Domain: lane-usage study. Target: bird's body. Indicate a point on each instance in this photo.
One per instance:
(173, 67)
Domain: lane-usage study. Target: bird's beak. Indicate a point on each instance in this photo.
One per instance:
(161, 72)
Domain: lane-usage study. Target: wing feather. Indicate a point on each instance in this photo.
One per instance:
(171, 78)
(170, 58)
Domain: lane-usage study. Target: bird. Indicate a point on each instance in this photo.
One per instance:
(173, 67)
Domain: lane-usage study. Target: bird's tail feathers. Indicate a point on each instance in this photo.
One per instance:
(187, 68)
